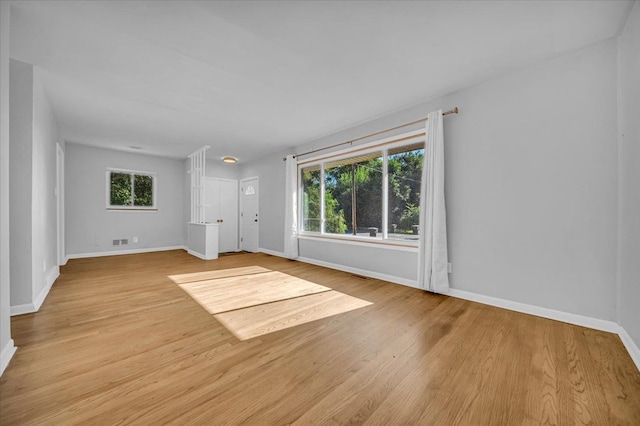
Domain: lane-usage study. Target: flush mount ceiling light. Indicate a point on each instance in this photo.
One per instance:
(229, 160)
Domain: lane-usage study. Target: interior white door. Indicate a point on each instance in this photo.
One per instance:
(228, 215)
(221, 199)
(249, 215)
(212, 200)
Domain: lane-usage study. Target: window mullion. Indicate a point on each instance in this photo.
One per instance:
(300, 202)
(354, 212)
(385, 194)
(322, 209)
(132, 190)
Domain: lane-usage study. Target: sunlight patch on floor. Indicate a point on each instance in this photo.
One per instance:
(222, 273)
(253, 301)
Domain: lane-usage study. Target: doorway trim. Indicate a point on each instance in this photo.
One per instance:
(241, 199)
(62, 258)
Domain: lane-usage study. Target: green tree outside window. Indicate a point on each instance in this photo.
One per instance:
(131, 190)
(354, 196)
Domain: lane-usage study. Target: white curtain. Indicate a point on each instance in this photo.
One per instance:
(291, 209)
(432, 257)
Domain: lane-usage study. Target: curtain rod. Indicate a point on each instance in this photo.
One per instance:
(452, 111)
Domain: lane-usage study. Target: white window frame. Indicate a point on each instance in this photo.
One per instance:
(154, 187)
(383, 146)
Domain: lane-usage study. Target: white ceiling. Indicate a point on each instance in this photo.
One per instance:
(250, 78)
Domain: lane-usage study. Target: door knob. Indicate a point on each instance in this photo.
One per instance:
(255, 220)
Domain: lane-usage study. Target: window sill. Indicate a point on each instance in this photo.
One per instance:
(363, 241)
(116, 209)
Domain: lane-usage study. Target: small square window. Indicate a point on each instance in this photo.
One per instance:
(130, 190)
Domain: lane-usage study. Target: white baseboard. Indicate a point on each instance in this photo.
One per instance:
(200, 255)
(271, 252)
(594, 323)
(580, 320)
(119, 252)
(52, 276)
(363, 272)
(29, 308)
(6, 355)
(632, 348)
(343, 268)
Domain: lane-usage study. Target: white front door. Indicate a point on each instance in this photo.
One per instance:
(221, 199)
(249, 215)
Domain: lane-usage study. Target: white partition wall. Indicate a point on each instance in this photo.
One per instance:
(202, 237)
(197, 171)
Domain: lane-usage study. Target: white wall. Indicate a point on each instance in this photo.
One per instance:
(270, 171)
(186, 199)
(531, 185)
(7, 348)
(90, 228)
(629, 264)
(20, 153)
(33, 239)
(44, 207)
(370, 259)
(220, 170)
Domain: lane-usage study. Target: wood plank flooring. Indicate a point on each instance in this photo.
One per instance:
(117, 341)
(242, 291)
(259, 320)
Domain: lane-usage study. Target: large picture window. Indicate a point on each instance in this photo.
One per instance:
(311, 211)
(353, 195)
(404, 174)
(130, 190)
(374, 193)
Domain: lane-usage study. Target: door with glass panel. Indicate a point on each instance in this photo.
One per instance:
(249, 215)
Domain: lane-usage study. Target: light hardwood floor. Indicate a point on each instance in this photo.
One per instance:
(118, 342)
